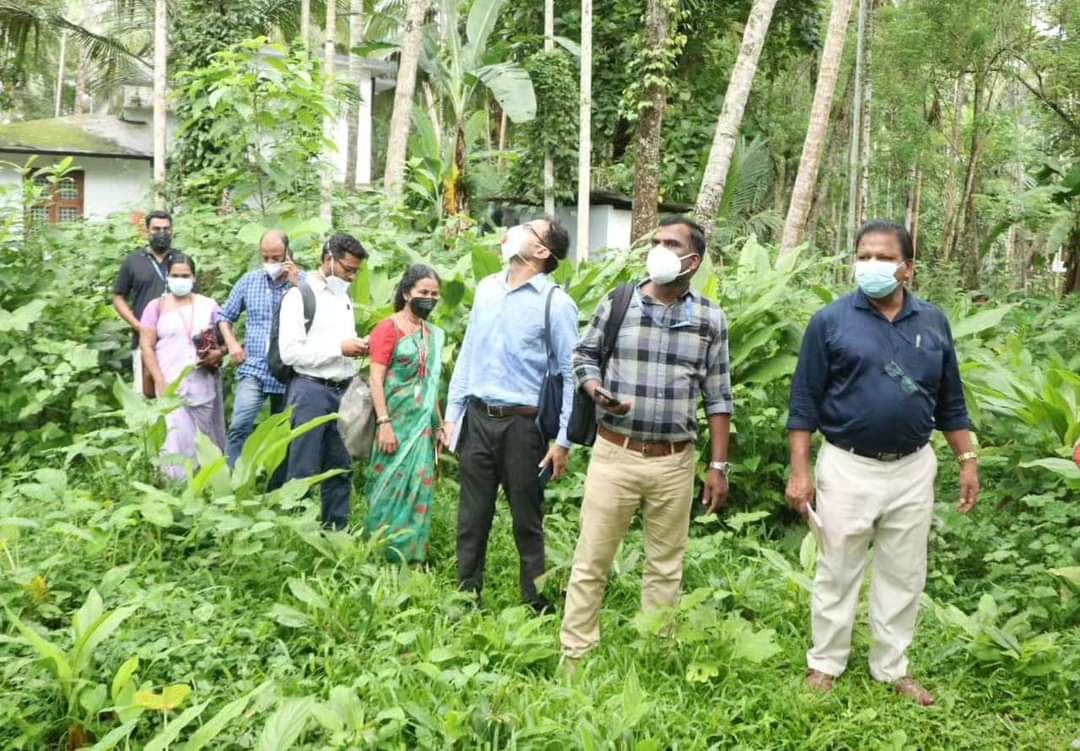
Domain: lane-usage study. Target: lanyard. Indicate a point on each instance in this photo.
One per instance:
(156, 267)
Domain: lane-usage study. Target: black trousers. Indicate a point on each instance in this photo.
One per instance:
(321, 449)
(500, 451)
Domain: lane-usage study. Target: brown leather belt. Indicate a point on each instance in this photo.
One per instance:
(500, 412)
(645, 448)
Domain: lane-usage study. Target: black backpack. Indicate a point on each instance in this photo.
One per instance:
(282, 372)
(582, 427)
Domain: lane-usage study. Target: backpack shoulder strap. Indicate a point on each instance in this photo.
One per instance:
(307, 295)
(547, 324)
(620, 303)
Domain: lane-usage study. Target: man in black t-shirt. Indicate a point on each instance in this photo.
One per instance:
(142, 279)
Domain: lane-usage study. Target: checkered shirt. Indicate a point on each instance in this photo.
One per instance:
(663, 358)
(259, 296)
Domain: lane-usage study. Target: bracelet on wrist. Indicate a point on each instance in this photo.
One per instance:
(383, 420)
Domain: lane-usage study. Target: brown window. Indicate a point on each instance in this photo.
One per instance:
(62, 202)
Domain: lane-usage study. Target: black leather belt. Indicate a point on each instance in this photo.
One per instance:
(509, 411)
(338, 385)
(881, 456)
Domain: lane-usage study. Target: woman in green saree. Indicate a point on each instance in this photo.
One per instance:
(406, 371)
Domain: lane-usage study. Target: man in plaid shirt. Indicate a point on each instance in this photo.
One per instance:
(671, 347)
(259, 293)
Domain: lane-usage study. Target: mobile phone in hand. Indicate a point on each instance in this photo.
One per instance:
(544, 476)
(606, 396)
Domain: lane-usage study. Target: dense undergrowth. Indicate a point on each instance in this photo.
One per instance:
(212, 615)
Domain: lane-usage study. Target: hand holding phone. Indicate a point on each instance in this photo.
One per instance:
(609, 402)
(605, 396)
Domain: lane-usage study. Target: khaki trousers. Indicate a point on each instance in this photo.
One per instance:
(861, 500)
(620, 482)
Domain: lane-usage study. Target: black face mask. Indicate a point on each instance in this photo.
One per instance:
(160, 242)
(422, 306)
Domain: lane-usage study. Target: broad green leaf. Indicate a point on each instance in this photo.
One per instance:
(123, 677)
(91, 610)
(1069, 574)
(166, 737)
(512, 88)
(100, 630)
(170, 698)
(290, 617)
(754, 646)
(157, 513)
(702, 672)
(481, 22)
(302, 591)
(20, 319)
(115, 736)
(1063, 467)
(981, 321)
(284, 726)
(634, 706)
(48, 651)
(212, 729)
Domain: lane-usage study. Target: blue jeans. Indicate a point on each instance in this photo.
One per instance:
(320, 449)
(248, 399)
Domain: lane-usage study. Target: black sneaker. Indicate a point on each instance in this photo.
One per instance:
(542, 606)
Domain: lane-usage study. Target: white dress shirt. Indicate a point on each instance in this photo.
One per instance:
(317, 352)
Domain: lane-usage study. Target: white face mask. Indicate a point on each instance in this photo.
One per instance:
(273, 270)
(514, 242)
(181, 286)
(336, 284)
(664, 265)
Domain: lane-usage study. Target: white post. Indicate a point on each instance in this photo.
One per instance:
(585, 133)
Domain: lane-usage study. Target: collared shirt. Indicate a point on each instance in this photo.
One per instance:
(317, 352)
(503, 359)
(664, 357)
(843, 386)
(260, 296)
(141, 279)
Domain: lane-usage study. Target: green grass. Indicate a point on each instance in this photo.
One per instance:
(428, 670)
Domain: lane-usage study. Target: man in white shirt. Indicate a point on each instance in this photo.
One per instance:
(321, 357)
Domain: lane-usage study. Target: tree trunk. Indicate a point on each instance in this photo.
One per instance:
(356, 73)
(1072, 262)
(806, 180)
(549, 163)
(83, 102)
(161, 53)
(949, 223)
(60, 74)
(584, 134)
(329, 53)
(914, 229)
(867, 102)
(967, 202)
(394, 177)
(856, 131)
(647, 135)
(305, 23)
(731, 114)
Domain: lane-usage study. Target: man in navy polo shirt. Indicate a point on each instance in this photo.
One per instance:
(876, 375)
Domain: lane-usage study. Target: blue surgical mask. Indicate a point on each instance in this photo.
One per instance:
(181, 286)
(876, 278)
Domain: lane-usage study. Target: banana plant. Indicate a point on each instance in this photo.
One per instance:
(463, 70)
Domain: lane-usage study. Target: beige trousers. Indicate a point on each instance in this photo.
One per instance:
(137, 371)
(890, 503)
(620, 482)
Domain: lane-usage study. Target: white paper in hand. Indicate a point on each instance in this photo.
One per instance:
(816, 527)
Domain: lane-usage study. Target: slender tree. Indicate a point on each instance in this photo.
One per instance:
(856, 131)
(549, 163)
(867, 111)
(585, 134)
(356, 72)
(731, 114)
(805, 180)
(394, 176)
(161, 53)
(650, 118)
(305, 23)
(329, 53)
(60, 74)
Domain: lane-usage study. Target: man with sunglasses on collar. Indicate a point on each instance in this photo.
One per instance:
(877, 374)
(494, 397)
(671, 350)
(142, 279)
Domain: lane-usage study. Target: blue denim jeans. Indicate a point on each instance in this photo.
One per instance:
(248, 398)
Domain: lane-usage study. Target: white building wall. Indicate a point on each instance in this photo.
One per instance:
(110, 185)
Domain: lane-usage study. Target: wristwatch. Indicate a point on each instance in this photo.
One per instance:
(720, 467)
(966, 456)
(384, 420)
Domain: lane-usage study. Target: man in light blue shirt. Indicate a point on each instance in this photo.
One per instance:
(494, 397)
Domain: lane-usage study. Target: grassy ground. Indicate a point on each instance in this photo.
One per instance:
(418, 666)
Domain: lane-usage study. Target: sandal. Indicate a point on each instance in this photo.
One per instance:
(820, 682)
(910, 689)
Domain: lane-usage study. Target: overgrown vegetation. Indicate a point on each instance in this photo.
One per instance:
(212, 615)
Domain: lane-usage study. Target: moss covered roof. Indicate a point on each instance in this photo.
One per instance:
(94, 135)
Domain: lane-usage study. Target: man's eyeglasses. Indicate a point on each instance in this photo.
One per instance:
(536, 235)
(161, 230)
(893, 370)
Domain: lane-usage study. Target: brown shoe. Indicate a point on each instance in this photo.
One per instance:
(910, 689)
(818, 681)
